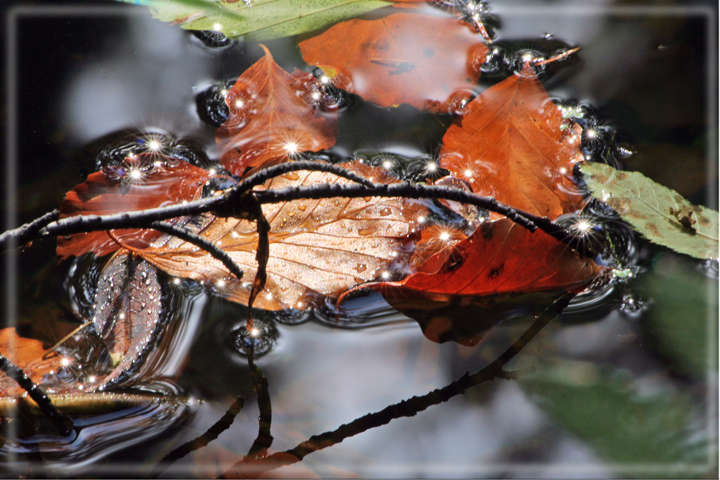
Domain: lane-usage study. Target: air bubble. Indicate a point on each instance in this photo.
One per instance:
(261, 338)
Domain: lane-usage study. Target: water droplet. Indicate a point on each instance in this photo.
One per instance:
(261, 338)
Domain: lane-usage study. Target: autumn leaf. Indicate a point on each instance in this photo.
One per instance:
(144, 181)
(27, 354)
(662, 215)
(512, 143)
(317, 247)
(428, 61)
(273, 115)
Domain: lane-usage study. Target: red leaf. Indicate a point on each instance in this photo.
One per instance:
(428, 61)
(144, 181)
(510, 143)
(273, 114)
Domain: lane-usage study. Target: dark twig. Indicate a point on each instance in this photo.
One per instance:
(407, 408)
(264, 175)
(202, 441)
(62, 422)
(264, 438)
(29, 229)
(211, 248)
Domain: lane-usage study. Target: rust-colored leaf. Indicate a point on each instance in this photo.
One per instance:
(317, 247)
(513, 144)
(274, 114)
(428, 61)
(143, 181)
(27, 354)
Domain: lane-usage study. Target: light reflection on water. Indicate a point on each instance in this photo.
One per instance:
(327, 370)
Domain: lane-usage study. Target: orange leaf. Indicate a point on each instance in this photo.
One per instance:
(423, 60)
(510, 143)
(27, 354)
(317, 247)
(273, 114)
(145, 181)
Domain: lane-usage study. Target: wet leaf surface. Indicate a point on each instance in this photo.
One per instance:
(428, 61)
(144, 181)
(274, 115)
(317, 247)
(661, 215)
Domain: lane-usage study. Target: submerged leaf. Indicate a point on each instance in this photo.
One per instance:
(317, 247)
(273, 115)
(144, 181)
(406, 57)
(267, 19)
(661, 215)
(127, 313)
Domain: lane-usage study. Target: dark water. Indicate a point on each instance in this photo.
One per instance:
(626, 378)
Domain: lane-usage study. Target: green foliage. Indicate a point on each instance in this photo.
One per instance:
(684, 305)
(636, 434)
(660, 214)
(264, 20)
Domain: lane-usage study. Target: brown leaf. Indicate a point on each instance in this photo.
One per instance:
(317, 247)
(27, 354)
(143, 181)
(428, 61)
(512, 143)
(273, 114)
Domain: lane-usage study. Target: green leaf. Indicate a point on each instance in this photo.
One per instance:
(264, 20)
(662, 215)
(639, 435)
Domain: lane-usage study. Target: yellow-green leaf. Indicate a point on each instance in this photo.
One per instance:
(660, 214)
(264, 20)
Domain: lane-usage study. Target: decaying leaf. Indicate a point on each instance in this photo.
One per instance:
(273, 115)
(513, 144)
(144, 181)
(405, 57)
(267, 19)
(660, 214)
(317, 247)
(27, 354)
(127, 313)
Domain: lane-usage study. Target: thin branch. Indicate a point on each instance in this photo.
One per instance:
(29, 229)
(62, 422)
(211, 248)
(264, 175)
(407, 408)
(264, 438)
(202, 441)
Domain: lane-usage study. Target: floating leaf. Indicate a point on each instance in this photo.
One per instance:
(513, 144)
(267, 19)
(502, 257)
(273, 114)
(27, 354)
(662, 215)
(317, 247)
(144, 181)
(406, 57)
